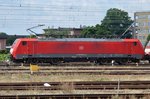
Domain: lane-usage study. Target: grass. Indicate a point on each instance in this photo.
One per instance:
(4, 57)
(65, 87)
(83, 92)
(130, 97)
(21, 77)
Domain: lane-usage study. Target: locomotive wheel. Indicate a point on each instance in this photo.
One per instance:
(103, 61)
(28, 61)
(34, 61)
(98, 62)
(55, 61)
(122, 61)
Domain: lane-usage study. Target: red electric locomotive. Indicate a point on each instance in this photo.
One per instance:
(76, 49)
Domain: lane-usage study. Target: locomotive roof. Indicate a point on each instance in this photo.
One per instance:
(85, 39)
(76, 39)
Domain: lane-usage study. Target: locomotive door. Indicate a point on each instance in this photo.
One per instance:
(128, 49)
(35, 47)
(32, 49)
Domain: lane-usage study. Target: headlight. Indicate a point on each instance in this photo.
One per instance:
(147, 51)
(11, 50)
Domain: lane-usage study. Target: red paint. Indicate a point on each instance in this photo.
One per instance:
(35, 46)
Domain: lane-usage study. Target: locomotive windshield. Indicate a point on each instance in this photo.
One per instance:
(148, 44)
(14, 42)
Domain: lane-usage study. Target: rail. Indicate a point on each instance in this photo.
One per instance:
(84, 85)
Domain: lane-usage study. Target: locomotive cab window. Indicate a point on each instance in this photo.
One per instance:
(24, 43)
(134, 43)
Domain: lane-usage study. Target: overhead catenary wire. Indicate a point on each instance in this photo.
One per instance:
(60, 7)
(15, 8)
(26, 13)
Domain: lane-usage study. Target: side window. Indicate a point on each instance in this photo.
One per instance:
(24, 43)
(134, 43)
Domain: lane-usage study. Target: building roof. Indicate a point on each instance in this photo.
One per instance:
(19, 36)
(62, 29)
(3, 36)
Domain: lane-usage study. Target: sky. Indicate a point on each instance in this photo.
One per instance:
(16, 16)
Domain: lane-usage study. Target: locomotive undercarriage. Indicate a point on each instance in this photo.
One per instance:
(120, 61)
(147, 57)
(56, 61)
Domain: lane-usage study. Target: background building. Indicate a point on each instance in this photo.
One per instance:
(142, 22)
(64, 31)
(2, 43)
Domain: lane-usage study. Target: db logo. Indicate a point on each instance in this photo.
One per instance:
(81, 47)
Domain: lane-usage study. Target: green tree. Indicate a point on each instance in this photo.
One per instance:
(31, 36)
(101, 31)
(3, 35)
(11, 39)
(114, 24)
(148, 39)
(88, 32)
(116, 21)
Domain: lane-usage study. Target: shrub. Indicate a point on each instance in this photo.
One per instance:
(4, 51)
(4, 57)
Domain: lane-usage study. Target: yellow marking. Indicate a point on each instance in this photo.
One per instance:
(34, 68)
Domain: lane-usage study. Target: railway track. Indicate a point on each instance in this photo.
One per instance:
(75, 68)
(103, 86)
(86, 85)
(85, 64)
(78, 96)
(80, 70)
